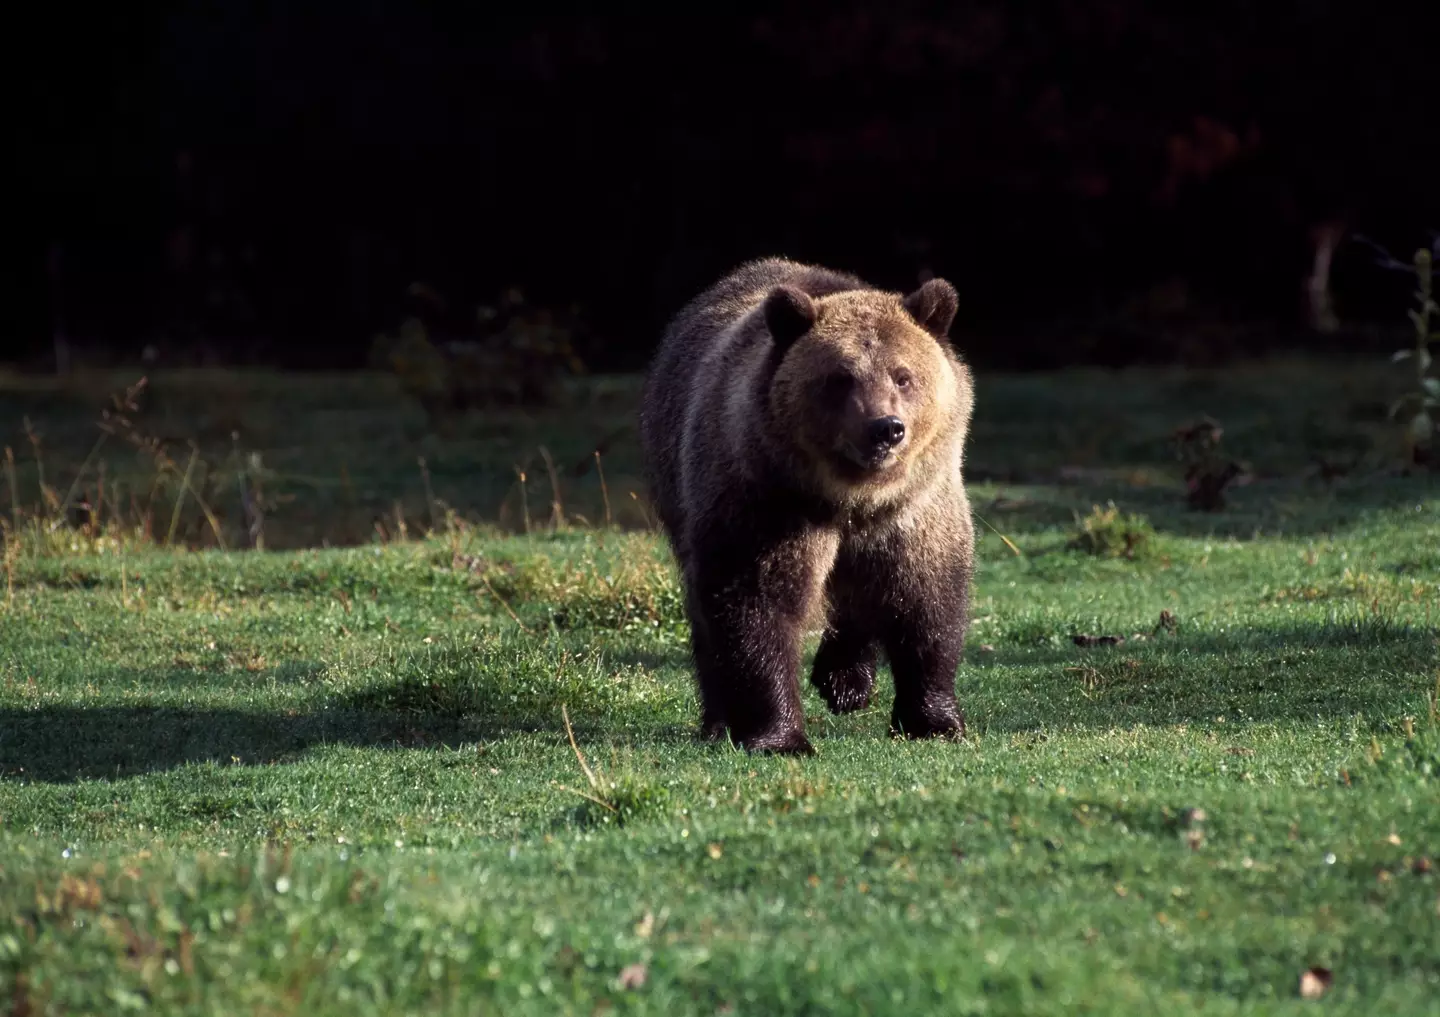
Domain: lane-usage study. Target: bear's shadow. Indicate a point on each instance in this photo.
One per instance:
(1247, 676)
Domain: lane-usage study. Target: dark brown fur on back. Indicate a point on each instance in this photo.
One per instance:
(785, 508)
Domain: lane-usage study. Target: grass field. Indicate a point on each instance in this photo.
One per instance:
(338, 780)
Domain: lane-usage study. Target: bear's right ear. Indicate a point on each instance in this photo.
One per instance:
(933, 307)
(789, 314)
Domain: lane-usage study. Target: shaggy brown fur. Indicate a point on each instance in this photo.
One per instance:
(803, 435)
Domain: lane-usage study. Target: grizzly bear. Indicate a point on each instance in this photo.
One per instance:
(803, 435)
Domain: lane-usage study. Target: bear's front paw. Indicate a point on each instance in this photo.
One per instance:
(779, 741)
(928, 722)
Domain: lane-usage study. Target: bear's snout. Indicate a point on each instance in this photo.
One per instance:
(872, 445)
(884, 433)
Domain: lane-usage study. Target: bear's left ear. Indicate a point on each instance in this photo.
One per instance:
(933, 307)
(789, 314)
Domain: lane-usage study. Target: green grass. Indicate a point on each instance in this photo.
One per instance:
(338, 781)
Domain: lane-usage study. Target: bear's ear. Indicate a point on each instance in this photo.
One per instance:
(933, 307)
(789, 314)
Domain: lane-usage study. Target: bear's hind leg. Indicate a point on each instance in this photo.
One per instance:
(714, 710)
(844, 669)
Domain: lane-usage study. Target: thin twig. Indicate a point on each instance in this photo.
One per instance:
(598, 801)
(557, 511)
(651, 521)
(524, 499)
(1383, 258)
(14, 488)
(250, 505)
(75, 484)
(46, 495)
(1008, 542)
(429, 492)
(345, 485)
(209, 516)
(501, 601)
(97, 511)
(180, 497)
(349, 494)
(604, 491)
(150, 505)
(579, 756)
(11, 552)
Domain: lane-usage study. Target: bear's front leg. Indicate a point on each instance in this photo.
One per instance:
(754, 602)
(925, 642)
(924, 668)
(753, 673)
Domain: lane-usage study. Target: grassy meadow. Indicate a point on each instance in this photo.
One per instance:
(432, 749)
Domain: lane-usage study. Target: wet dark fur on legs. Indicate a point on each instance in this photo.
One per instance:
(919, 626)
(747, 635)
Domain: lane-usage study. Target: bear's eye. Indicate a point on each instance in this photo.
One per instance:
(837, 385)
(902, 380)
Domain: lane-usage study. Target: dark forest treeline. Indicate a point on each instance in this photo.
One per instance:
(271, 177)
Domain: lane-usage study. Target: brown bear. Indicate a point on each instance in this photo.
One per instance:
(803, 435)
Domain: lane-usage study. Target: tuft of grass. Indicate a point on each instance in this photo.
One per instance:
(639, 593)
(1368, 588)
(1110, 533)
(620, 795)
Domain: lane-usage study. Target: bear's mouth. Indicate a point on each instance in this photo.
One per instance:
(867, 463)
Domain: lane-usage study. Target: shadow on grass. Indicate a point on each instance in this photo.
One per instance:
(677, 656)
(61, 743)
(1242, 644)
(1308, 672)
(1297, 507)
(1303, 673)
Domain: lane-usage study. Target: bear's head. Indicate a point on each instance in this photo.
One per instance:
(867, 387)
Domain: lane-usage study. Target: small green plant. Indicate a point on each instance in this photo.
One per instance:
(1418, 407)
(1110, 533)
(1207, 471)
(619, 800)
(1424, 400)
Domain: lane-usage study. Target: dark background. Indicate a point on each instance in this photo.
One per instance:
(250, 182)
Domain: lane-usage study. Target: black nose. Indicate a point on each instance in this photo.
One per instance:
(887, 432)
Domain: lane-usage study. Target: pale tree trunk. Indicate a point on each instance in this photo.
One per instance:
(1319, 306)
